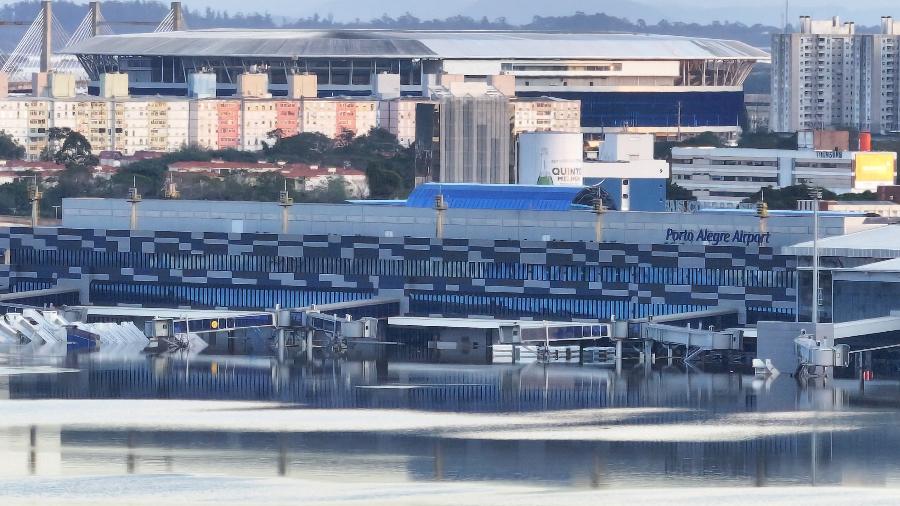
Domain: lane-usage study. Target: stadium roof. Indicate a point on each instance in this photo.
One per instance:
(415, 44)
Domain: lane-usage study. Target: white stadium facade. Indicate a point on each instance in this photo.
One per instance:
(653, 83)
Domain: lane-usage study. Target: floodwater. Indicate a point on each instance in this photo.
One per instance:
(129, 428)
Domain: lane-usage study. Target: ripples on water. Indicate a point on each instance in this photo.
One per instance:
(429, 433)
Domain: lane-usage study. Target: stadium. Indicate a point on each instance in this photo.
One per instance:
(653, 83)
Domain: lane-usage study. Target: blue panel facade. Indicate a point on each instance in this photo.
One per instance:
(654, 109)
(647, 194)
(612, 186)
(495, 196)
(643, 194)
(453, 277)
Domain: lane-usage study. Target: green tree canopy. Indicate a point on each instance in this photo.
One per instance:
(9, 148)
(75, 152)
(787, 197)
(676, 192)
(767, 140)
(384, 182)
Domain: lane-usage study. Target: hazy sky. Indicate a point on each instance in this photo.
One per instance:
(866, 12)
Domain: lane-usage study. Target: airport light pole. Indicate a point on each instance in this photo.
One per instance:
(285, 201)
(134, 198)
(34, 196)
(816, 194)
(440, 207)
(598, 209)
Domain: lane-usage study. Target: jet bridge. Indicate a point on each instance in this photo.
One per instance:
(694, 341)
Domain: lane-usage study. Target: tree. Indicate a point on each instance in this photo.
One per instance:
(384, 183)
(14, 198)
(663, 150)
(334, 191)
(345, 138)
(274, 134)
(867, 195)
(9, 148)
(767, 140)
(306, 147)
(376, 142)
(787, 197)
(76, 152)
(676, 192)
(705, 139)
(148, 175)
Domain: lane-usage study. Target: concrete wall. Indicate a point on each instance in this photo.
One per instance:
(775, 341)
(344, 219)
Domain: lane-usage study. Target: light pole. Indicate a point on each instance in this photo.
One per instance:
(285, 201)
(134, 198)
(56, 211)
(816, 194)
(34, 196)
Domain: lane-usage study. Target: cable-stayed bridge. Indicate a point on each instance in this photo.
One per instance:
(39, 48)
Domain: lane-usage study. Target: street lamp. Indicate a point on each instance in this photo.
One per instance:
(56, 211)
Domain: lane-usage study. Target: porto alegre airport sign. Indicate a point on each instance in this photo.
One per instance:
(712, 237)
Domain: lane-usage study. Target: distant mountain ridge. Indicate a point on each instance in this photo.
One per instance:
(70, 14)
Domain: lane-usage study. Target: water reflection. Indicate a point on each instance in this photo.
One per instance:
(759, 434)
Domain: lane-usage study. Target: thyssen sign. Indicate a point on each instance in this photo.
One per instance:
(704, 236)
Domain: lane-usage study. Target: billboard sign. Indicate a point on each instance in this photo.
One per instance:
(873, 169)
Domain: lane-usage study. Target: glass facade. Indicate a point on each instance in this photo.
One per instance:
(456, 277)
(164, 295)
(425, 268)
(654, 109)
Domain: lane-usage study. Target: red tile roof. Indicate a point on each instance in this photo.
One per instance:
(22, 165)
(289, 170)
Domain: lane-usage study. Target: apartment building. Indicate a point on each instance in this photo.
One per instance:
(398, 117)
(333, 116)
(126, 124)
(545, 114)
(257, 120)
(829, 76)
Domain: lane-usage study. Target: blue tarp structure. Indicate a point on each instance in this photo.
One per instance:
(496, 196)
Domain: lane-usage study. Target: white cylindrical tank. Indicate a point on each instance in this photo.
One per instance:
(550, 158)
(202, 85)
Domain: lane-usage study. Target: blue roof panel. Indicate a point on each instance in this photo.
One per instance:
(495, 196)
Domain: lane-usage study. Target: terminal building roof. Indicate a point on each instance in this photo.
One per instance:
(472, 44)
(880, 242)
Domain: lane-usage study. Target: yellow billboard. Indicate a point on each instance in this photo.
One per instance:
(876, 167)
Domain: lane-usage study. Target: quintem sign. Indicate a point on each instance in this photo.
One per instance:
(704, 236)
(567, 176)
